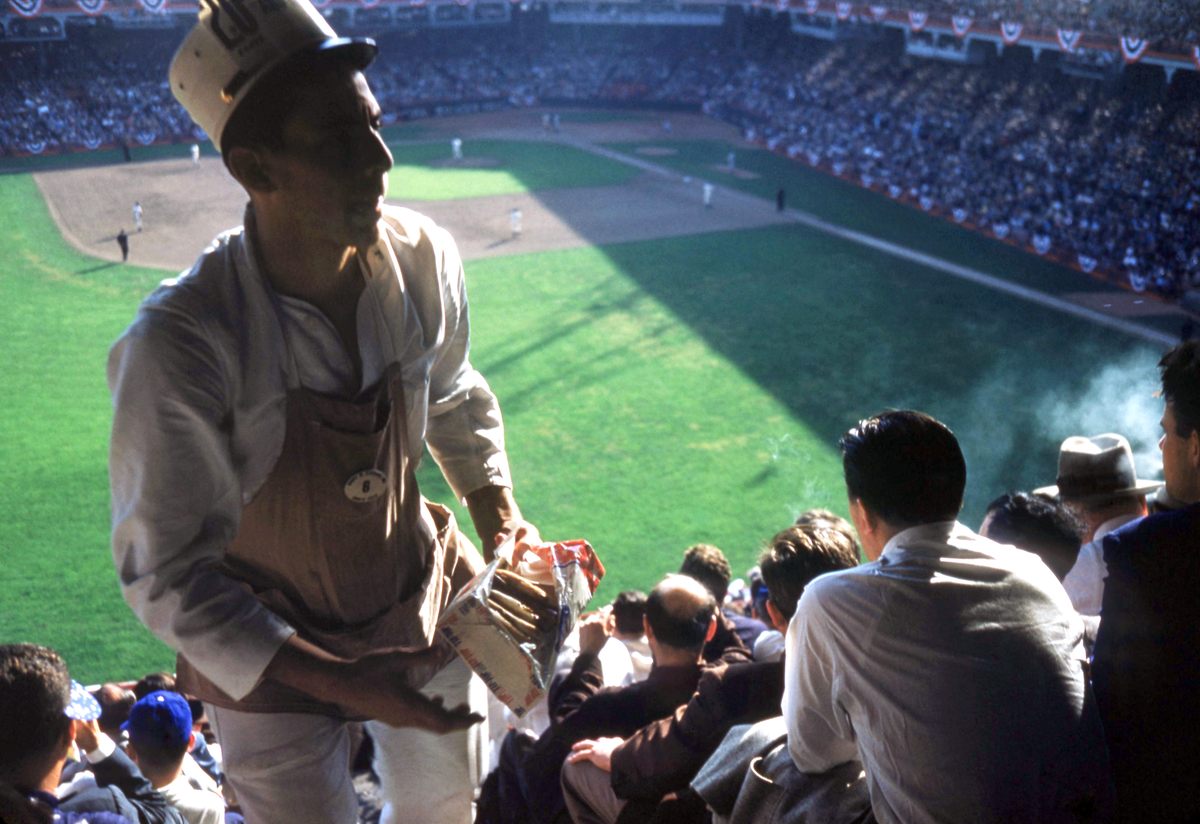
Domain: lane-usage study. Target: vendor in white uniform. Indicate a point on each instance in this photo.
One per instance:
(271, 405)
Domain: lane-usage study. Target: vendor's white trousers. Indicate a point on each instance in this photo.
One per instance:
(293, 767)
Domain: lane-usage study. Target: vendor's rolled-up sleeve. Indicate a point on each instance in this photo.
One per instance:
(465, 431)
(176, 502)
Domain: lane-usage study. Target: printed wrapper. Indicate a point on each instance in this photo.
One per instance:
(519, 673)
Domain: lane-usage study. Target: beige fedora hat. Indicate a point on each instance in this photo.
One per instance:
(1095, 468)
(235, 43)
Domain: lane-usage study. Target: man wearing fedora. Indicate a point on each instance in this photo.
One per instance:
(1096, 478)
(1146, 667)
(270, 408)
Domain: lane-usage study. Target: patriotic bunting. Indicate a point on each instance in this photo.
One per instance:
(917, 20)
(961, 25)
(26, 8)
(960, 214)
(811, 6)
(894, 191)
(91, 6)
(926, 202)
(1132, 48)
(1001, 230)
(880, 13)
(92, 143)
(1011, 33)
(154, 6)
(146, 137)
(843, 10)
(1196, 56)
(1138, 282)
(35, 146)
(1068, 40)
(1041, 244)
(1087, 264)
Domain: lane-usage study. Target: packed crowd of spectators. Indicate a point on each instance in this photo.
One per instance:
(1094, 173)
(1018, 672)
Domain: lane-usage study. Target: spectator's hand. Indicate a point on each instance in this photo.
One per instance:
(514, 539)
(599, 751)
(87, 735)
(594, 632)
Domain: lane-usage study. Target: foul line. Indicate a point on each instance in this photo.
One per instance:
(905, 253)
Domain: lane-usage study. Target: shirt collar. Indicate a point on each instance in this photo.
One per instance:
(922, 539)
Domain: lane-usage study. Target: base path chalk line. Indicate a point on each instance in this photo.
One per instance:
(905, 253)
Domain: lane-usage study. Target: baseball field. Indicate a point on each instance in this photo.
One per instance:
(669, 374)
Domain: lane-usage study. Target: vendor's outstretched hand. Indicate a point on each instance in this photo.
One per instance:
(384, 689)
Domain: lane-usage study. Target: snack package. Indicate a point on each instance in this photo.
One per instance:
(509, 622)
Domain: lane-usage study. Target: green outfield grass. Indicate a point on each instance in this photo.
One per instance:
(421, 172)
(656, 394)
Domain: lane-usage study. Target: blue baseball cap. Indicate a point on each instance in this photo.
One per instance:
(162, 717)
(81, 706)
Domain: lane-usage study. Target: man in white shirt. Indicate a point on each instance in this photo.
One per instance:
(951, 667)
(271, 406)
(160, 735)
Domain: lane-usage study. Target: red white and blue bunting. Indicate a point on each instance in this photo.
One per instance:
(154, 6)
(1132, 48)
(961, 25)
(91, 6)
(917, 20)
(26, 8)
(1011, 33)
(880, 13)
(843, 10)
(812, 6)
(1068, 40)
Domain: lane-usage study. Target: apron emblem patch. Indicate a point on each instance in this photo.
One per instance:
(366, 486)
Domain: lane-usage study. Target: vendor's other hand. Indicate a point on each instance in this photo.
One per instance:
(521, 536)
(382, 687)
(599, 751)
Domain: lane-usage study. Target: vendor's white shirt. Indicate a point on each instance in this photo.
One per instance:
(1085, 582)
(199, 384)
(951, 668)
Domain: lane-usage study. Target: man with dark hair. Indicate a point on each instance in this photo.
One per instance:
(629, 610)
(950, 666)
(1146, 667)
(661, 758)
(1037, 524)
(271, 407)
(708, 565)
(681, 615)
(160, 735)
(42, 711)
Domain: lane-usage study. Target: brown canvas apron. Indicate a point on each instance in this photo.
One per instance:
(339, 542)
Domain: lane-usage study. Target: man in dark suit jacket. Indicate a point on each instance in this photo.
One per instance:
(42, 711)
(1146, 669)
(660, 759)
(681, 616)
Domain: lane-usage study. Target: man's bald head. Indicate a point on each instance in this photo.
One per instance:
(679, 611)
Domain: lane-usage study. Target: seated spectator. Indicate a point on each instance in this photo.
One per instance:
(42, 712)
(1146, 669)
(708, 565)
(160, 736)
(951, 667)
(115, 702)
(660, 759)
(629, 610)
(153, 682)
(1097, 479)
(1037, 524)
(681, 616)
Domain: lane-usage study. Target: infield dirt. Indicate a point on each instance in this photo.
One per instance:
(186, 206)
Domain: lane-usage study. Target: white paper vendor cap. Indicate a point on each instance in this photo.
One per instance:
(236, 43)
